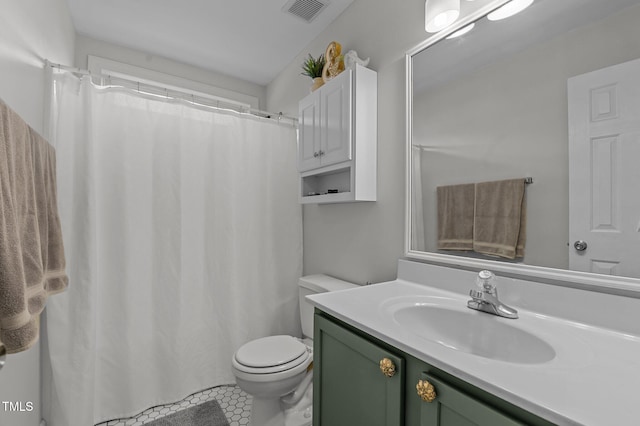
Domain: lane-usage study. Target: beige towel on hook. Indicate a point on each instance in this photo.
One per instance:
(455, 217)
(32, 262)
(500, 220)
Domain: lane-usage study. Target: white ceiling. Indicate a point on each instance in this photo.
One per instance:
(249, 39)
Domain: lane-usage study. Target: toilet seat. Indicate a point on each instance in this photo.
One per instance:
(273, 354)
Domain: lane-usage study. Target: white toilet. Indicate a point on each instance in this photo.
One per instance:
(276, 370)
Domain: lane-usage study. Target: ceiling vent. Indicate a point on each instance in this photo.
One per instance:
(305, 9)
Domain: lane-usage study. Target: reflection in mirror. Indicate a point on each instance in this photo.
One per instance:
(537, 95)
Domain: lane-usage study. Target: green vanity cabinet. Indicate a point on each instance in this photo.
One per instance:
(351, 389)
(452, 407)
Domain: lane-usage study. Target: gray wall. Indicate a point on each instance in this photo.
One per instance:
(362, 242)
(30, 31)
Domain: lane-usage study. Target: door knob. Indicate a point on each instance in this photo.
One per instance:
(580, 245)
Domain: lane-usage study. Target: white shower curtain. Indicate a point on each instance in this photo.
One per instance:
(183, 236)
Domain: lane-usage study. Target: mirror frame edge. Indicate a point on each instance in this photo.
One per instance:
(625, 286)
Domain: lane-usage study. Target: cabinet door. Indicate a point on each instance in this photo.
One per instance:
(309, 132)
(349, 386)
(336, 101)
(452, 407)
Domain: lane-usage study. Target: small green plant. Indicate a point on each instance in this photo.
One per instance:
(313, 67)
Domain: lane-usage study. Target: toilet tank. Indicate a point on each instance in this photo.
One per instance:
(314, 284)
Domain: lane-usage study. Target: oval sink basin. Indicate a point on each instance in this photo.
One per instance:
(474, 332)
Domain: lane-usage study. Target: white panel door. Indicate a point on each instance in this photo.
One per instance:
(604, 170)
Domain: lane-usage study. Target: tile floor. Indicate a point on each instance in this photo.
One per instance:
(234, 402)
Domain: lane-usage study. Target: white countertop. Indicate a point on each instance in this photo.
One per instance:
(594, 378)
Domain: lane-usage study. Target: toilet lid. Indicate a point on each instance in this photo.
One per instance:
(270, 351)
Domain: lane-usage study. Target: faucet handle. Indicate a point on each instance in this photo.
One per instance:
(475, 294)
(486, 281)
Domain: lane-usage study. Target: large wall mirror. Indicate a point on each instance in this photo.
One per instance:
(551, 94)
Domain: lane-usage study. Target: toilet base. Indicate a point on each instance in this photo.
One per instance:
(274, 412)
(301, 413)
(267, 412)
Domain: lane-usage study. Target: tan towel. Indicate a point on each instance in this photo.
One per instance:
(455, 217)
(499, 227)
(32, 259)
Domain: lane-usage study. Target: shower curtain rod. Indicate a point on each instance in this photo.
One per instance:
(223, 104)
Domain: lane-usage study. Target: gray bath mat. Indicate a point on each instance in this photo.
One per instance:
(206, 414)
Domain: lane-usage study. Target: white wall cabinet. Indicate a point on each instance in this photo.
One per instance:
(337, 141)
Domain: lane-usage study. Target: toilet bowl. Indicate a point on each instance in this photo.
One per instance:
(276, 370)
(269, 369)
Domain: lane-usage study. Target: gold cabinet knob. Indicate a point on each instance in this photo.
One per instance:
(387, 367)
(426, 391)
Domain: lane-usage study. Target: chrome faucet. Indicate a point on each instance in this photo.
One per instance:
(485, 298)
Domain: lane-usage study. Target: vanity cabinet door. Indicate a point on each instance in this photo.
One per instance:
(451, 407)
(350, 386)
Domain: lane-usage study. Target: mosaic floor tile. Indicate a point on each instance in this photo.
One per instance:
(235, 404)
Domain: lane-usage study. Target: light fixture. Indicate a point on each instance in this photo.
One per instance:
(439, 14)
(462, 31)
(509, 9)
